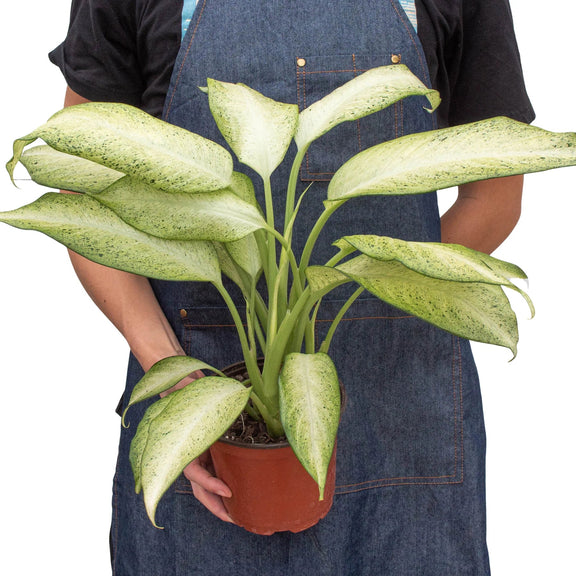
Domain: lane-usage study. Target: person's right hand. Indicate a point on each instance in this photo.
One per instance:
(208, 489)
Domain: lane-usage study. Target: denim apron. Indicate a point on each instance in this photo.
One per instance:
(410, 472)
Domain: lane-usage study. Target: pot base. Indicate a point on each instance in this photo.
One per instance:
(271, 490)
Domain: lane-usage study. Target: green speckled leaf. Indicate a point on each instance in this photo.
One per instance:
(439, 159)
(191, 420)
(472, 310)
(369, 92)
(163, 375)
(54, 169)
(127, 139)
(221, 216)
(94, 231)
(258, 129)
(139, 442)
(442, 261)
(310, 410)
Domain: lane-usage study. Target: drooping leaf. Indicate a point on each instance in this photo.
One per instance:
(221, 215)
(138, 443)
(258, 129)
(188, 421)
(430, 161)
(369, 92)
(163, 375)
(54, 169)
(310, 410)
(442, 261)
(472, 310)
(127, 139)
(94, 231)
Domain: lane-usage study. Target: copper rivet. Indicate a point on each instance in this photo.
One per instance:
(183, 313)
(301, 62)
(396, 58)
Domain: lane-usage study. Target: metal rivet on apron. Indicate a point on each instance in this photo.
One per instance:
(183, 313)
(396, 58)
(301, 62)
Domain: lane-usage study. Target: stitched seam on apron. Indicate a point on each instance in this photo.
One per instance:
(457, 477)
(410, 31)
(185, 58)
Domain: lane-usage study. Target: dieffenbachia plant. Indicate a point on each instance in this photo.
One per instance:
(165, 203)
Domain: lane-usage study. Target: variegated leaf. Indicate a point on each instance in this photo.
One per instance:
(54, 169)
(369, 92)
(310, 410)
(258, 129)
(127, 139)
(163, 375)
(94, 231)
(184, 426)
(472, 310)
(439, 159)
(220, 216)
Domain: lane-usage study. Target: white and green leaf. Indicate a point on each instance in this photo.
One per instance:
(437, 260)
(258, 129)
(439, 159)
(130, 141)
(221, 215)
(310, 410)
(54, 169)
(472, 310)
(94, 231)
(163, 375)
(369, 92)
(182, 426)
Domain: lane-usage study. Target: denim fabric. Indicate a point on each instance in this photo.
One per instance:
(410, 472)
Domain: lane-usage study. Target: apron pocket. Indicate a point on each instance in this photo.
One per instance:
(403, 419)
(317, 76)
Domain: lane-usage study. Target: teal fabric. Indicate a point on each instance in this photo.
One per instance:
(189, 6)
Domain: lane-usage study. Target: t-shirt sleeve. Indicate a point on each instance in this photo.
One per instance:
(98, 57)
(118, 50)
(489, 80)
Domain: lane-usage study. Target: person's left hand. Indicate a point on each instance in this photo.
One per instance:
(208, 489)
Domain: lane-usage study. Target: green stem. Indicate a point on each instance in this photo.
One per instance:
(292, 183)
(313, 236)
(311, 330)
(325, 346)
(247, 352)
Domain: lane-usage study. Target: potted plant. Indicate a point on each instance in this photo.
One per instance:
(165, 203)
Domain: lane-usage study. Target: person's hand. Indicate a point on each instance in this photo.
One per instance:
(208, 489)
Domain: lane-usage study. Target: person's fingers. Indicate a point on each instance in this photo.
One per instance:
(212, 502)
(197, 473)
(208, 489)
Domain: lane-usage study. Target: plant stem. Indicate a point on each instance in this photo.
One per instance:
(325, 346)
(313, 236)
(292, 183)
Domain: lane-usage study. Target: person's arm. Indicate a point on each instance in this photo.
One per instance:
(128, 301)
(484, 214)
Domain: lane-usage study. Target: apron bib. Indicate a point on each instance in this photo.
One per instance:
(410, 466)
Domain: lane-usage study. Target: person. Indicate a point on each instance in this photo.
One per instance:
(410, 494)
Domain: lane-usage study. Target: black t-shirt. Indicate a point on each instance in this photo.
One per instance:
(124, 51)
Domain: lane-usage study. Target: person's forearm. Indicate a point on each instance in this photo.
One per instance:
(127, 300)
(130, 304)
(484, 214)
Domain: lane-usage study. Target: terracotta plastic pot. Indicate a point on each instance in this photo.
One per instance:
(271, 490)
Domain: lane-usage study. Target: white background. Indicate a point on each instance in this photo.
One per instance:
(62, 365)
